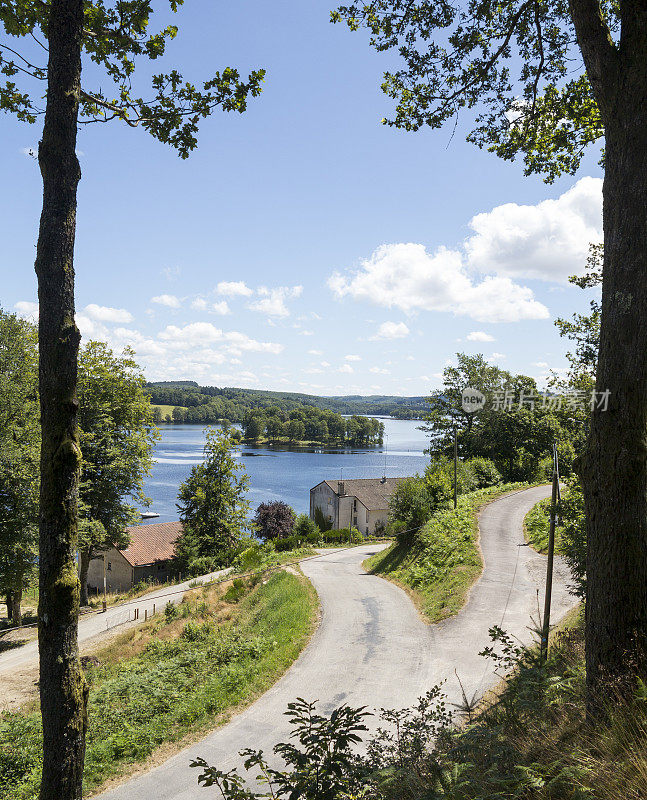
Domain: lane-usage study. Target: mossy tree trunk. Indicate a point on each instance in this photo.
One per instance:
(63, 692)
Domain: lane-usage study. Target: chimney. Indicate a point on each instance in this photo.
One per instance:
(341, 489)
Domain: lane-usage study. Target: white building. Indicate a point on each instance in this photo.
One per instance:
(362, 503)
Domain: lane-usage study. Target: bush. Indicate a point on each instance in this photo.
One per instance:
(289, 543)
(171, 611)
(573, 535)
(206, 564)
(342, 536)
(235, 592)
(304, 527)
(251, 558)
(484, 472)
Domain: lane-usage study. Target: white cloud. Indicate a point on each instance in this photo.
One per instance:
(346, 368)
(548, 241)
(107, 314)
(315, 352)
(221, 308)
(352, 358)
(495, 357)
(273, 301)
(204, 333)
(479, 336)
(379, 371)
(325, 363)
(391, 330)
(234, 289)
(408, 277)
(171, 273)
(199, 304)
(27, 309)
(168, 300)
(306, 333)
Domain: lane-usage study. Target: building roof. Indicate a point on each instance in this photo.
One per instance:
(373, 493)
(151, 543)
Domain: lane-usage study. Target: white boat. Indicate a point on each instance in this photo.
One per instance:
(149, 515)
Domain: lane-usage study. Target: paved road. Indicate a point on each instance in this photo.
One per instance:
(93, 625)
(373, 649)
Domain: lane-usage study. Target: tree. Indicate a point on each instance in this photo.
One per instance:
(274, 520)
(410, 503)
(117, 435)
(296, 430)
(254, 427)
(113, 37)
(515, 435)
(19, 448)
(446, 411)
(584, 329)
(518, 61)
(212, 504)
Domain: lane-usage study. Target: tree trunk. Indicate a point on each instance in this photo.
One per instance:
(84, 565)
(14, 606)
(614, 467)
(63, 692)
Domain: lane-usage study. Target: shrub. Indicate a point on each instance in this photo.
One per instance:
(235, 592)
(320, 520)
(484, 472)
(282, 545)
(304, 527)
(171, 611)
(573, 535)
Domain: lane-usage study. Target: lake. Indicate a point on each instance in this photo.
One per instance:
(282, 474)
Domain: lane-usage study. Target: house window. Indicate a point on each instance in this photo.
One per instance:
(109, 567)
(355, 521)
(354, 505)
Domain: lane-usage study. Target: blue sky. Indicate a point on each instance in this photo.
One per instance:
(304, 246)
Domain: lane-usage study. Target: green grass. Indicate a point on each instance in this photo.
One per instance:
(181, 675)
(536, 527)
(531, 741)
(168, 409)
(438, 566)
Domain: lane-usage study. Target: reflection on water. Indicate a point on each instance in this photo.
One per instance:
(280, 472)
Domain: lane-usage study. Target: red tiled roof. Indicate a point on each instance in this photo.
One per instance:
(151, 543)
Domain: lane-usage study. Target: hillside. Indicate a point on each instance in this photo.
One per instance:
(233, 403)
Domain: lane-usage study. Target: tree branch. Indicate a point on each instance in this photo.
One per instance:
(598, 49)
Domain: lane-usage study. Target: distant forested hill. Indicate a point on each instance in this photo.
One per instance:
(236, 404)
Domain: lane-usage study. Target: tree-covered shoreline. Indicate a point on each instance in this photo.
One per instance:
(208, 404)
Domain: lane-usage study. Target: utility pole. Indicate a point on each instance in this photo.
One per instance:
(455, 467)
(551, 554)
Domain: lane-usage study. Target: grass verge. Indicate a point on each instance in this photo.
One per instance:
(438, 566)
(178, 676)
(533, 742)
(536, 524)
